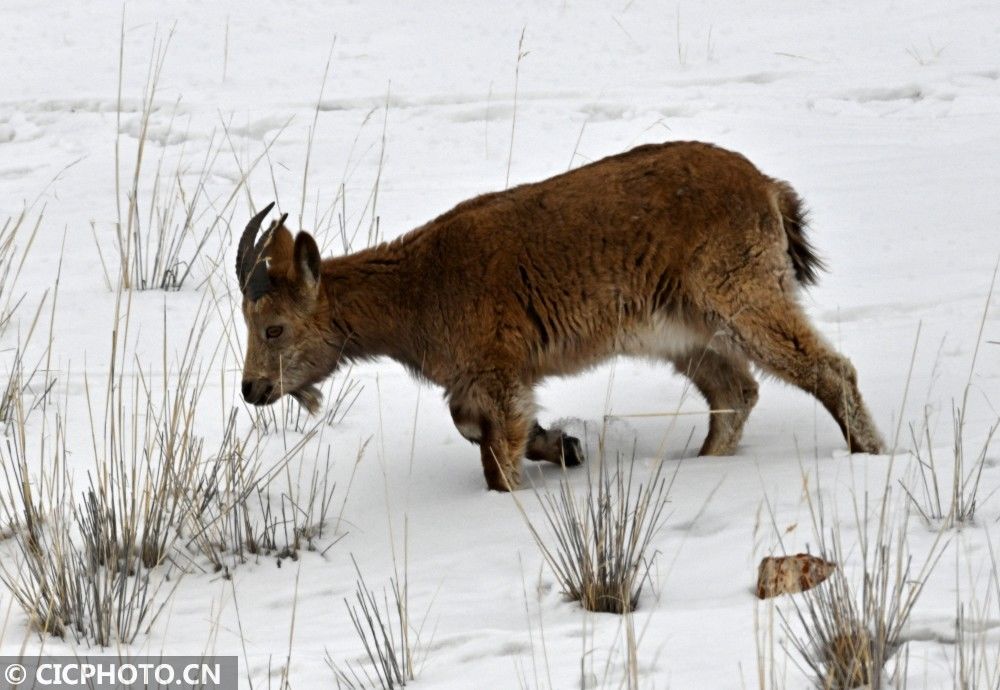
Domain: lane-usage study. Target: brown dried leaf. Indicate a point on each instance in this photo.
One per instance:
(791, 574)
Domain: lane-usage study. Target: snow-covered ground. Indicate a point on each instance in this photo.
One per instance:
(884, 115)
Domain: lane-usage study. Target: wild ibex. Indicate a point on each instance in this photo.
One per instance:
(681, 251)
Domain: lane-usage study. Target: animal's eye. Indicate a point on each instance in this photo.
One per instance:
(273, 331)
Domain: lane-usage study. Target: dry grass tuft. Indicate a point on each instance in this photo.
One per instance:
(967, 469)
(391, 644)
(86, 589)
(977, 659)
(96, 566)
(23, 392)
(168, 220)
(977, 651)
(12, 257)
(960, 491)
(599, 545)
(233, 517)
(850, 632)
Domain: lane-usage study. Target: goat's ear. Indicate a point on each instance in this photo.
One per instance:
(307, 261)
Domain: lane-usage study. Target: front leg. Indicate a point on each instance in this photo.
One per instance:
(501, 450)
(498, 416)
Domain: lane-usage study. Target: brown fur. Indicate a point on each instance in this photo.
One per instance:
(682, 251)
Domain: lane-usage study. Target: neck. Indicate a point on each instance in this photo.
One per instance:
(368, 304)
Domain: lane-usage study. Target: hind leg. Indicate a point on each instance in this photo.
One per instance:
(730, 390)
(553, 446)
(775, 333)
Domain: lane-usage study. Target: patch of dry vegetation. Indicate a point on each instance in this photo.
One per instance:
(99, 565)
(599, 544)
(849, 631)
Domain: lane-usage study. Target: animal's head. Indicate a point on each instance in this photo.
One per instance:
(289, 341)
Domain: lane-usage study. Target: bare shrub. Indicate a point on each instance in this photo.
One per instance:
(961, 488)
(85, 567)
(391, 643)
(232, 517)
(947, 498)
(850, 630)
(68, 588)
(599, 546)
(168, 219)
(94, 565)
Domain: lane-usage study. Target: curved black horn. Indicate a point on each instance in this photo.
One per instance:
(244, 252)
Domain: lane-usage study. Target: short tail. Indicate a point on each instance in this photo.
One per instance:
(795, 219)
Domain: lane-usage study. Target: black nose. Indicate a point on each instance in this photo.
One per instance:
(257, 391)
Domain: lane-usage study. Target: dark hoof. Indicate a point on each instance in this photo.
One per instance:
(572, 451)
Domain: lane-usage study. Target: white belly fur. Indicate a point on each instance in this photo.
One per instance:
(661, 338)
(472, 432)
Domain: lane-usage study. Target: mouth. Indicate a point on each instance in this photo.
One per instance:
(308, 396)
